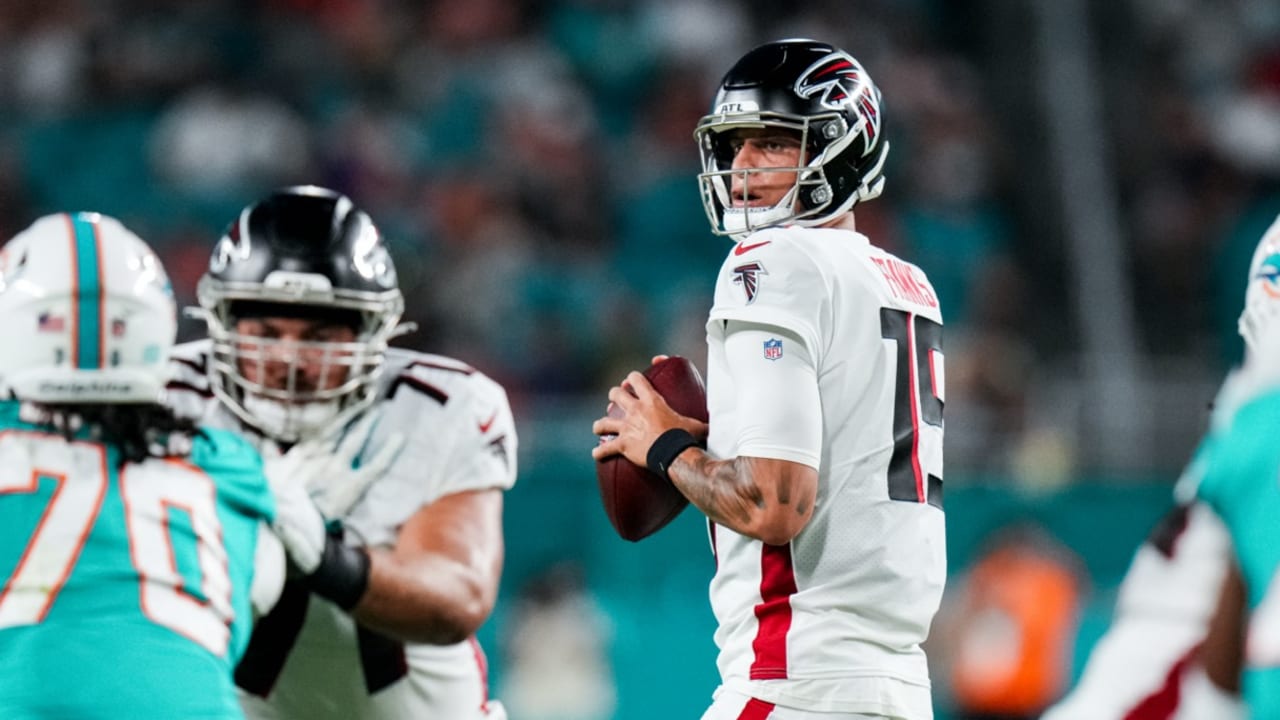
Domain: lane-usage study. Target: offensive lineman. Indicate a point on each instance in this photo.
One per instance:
(300, 299)
(822, 474)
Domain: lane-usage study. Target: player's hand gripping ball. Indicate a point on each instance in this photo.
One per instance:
(638, 502)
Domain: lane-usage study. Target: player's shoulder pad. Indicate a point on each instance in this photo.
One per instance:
(450, 384)
(1241, 447)
(1253, 383)
(448, 409)
(436, 377)
(235, 467)
(777, 250)
(774, 277)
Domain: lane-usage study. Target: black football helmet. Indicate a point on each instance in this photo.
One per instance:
(301, 252)
(811, 88)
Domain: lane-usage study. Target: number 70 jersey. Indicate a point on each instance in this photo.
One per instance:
(125, 587)
(833, 621)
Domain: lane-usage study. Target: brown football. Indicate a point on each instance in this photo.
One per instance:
(638, 502)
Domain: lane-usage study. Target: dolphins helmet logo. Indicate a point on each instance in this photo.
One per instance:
(1268, 275)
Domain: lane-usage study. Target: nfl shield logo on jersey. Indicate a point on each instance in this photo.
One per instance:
(772, 349)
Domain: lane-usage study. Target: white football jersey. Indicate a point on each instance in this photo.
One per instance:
(459, 436)
(834, 620)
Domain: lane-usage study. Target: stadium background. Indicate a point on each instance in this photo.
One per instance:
(1083, 180)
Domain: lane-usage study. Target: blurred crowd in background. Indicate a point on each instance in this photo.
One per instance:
(532, 164)
(1083, 180)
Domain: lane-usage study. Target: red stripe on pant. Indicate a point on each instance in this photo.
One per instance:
(756, 710)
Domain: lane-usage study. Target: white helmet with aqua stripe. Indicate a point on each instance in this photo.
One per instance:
(87, 314)
(1262, 295)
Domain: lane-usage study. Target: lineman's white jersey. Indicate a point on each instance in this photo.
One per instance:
(834, 620)
(459, 436)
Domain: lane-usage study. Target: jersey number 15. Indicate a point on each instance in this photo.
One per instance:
(915, 468)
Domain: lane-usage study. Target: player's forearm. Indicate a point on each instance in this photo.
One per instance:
(433, 600)
(728, 493)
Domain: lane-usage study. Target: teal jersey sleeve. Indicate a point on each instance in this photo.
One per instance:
(1240, 467)
(245, 502)
(1242, 484)
(236, 468)
(125, 587)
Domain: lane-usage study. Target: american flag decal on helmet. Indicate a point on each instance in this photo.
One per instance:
(841, 82)
(748, 276)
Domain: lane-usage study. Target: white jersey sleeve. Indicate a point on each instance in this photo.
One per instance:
(782, 418)
(459, 436)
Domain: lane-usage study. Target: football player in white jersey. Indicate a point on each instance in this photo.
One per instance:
(301, 298)
(822, 469)
(1146, 666)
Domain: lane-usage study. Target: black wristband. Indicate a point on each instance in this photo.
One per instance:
(666, 448)
(343, 573)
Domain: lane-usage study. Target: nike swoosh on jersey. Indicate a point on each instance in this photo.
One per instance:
(740, 249)
(484, 426)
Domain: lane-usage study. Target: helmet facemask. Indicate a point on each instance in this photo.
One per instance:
(808, 203)
(292, 389)
(301, 261)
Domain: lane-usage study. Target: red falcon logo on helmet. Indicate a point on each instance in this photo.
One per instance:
(840, 81)
(748, 276)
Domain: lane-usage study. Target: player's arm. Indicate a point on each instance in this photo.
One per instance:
(768, 491)
(438, 584)
(1223, 651)
(769, 500)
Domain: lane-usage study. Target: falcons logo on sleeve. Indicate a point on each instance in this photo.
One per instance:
(748, 276)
